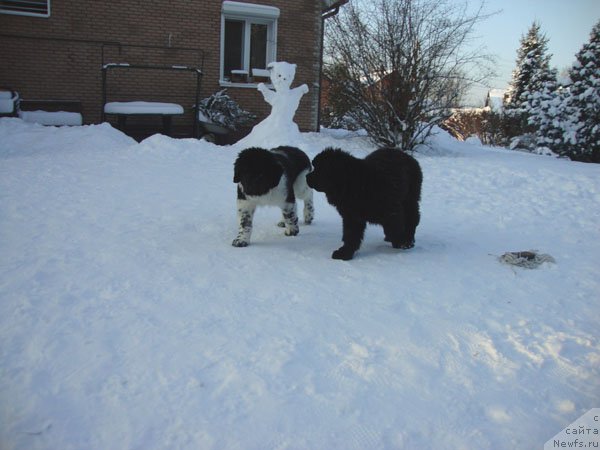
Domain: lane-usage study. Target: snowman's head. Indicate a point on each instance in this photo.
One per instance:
(282, 74)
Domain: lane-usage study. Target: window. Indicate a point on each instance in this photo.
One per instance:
(39, 8)
(248, 40)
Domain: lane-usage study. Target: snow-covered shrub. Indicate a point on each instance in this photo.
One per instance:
(523, 142)
(344, 122)
(222, 110)
(464, 123)
(491, 127)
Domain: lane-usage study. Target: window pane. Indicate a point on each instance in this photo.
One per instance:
(26, 8)
(258, 46)
(234, 44)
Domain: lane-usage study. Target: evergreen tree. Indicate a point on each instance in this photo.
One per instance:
(544, 111)
(529, 78)
(582, 103)
(532, 58)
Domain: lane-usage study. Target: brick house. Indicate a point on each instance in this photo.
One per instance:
(55, 50)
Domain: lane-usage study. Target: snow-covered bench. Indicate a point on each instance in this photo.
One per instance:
(51, 112)
(124, 109)
(9, 101)
(56, 118)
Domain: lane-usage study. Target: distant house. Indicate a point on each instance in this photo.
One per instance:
(55, 50)
(495, 100)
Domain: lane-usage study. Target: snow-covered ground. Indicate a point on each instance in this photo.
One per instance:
(128, 321)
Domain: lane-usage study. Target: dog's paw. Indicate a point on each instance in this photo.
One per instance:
(292, 231)
(239, 243)
(343, 254)
(403, 245)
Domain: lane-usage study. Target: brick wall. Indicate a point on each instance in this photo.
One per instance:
(67, 67)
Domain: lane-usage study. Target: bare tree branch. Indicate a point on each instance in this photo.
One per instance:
(406, 64)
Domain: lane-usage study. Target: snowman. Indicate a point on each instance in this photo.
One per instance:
(279, 127)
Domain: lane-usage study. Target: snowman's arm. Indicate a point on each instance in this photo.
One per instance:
(302, 89)
(267, 93)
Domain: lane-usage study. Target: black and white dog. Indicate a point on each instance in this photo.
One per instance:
(271, 177)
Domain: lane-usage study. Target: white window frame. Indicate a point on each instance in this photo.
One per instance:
(248, 13)
(7, 10)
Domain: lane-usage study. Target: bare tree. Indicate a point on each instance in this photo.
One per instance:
(407, 62)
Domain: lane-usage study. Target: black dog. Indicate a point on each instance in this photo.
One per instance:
(271, 177)
(384, 188)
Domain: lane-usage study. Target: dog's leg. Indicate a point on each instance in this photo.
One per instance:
(413, 217)
(402, 233)
(309, 207)
(305, 193)
(396, 232)
(352, 238)
(245, 211)
(290, 219)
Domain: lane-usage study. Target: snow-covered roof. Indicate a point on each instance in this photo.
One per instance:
(495, 99)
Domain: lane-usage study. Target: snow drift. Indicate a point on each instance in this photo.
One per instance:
(127, 320)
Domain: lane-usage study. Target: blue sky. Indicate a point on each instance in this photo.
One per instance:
(566, 23)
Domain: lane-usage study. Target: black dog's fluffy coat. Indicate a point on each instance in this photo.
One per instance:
(271, 177)
(384, 188)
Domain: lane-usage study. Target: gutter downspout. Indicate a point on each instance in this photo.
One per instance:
(331, 11)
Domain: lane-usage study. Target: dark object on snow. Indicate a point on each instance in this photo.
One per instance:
(384, 188)
(530, 259)
(219, 114)
(271, 177)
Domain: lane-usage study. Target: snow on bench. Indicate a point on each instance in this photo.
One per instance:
(51, 112)
(8, 100)
(54, 118)
(124, 109)
(130, 108)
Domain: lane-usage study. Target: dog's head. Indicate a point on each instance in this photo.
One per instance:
(328, 166)
(257, 171)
